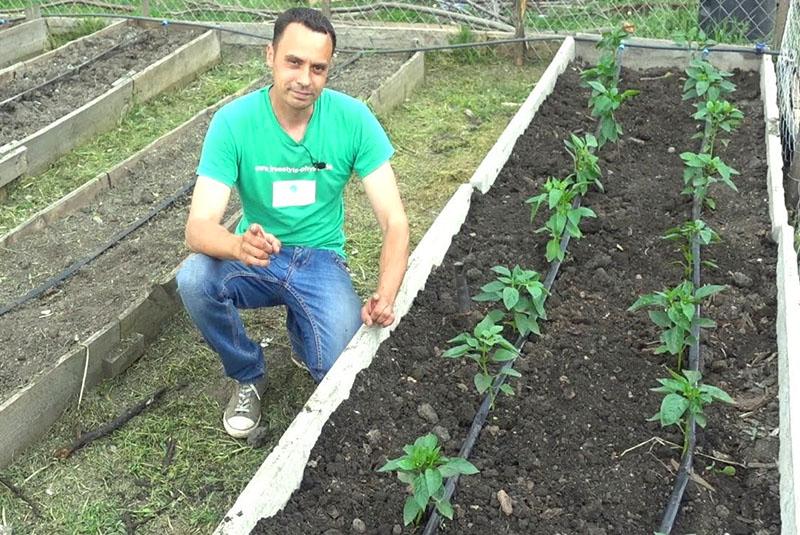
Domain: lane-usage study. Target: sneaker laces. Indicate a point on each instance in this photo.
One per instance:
(245, 398)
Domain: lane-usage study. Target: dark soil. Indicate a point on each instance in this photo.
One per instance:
(138, 49)
(564, 448)
(33, 336)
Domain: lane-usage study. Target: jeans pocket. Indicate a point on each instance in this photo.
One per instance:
(339, 261)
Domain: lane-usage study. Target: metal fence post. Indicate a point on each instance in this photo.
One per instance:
(145, 8)
(33, 11)
(326, 9)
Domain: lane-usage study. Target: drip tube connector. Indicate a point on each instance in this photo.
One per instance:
(761, 48)
(165, 22)
(706, 52)
(621, 47)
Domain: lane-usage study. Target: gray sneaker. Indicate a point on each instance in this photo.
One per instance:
(243, 412)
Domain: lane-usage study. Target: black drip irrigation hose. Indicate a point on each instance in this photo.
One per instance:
(75, 70)
(685, 468)
(56, 280)
(758, 49)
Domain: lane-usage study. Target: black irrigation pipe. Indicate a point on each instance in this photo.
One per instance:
(76, 69)
(56, 280)
(685, 468)
(432, 526)
(758, 49)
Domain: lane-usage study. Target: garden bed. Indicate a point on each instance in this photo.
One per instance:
(38, 334)
(137, 48)
(557, 448)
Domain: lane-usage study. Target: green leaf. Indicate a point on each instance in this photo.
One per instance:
(391, 465)
(410, 510)
(503, 355)
(429, 441)
(506, 389)
(511, 372)
(510, 297)
(717, 393)
(421, 494)
(482, 382)
(433, 479)
(445, 509)
(502, 270)
(659, 317)
(494, 286)
(406, 477)
(708, 289)
(673, 406)
(455, 352)
(457, 465)
(553, 250)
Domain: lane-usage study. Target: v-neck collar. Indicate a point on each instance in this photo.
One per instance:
(286, 137)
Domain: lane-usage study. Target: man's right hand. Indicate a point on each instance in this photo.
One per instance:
(255, 246)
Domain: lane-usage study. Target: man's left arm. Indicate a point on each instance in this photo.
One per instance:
(381, 189)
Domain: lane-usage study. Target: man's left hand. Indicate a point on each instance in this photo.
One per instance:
(377, 310)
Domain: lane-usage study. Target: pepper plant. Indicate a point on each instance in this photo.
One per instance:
(559, 196)
(605, 71)
(522, 295)
(705, 81)
(486, 346)
(424, 468)
(674, 310)
(685, 395)
(702, 170)
(605, 100)
(686, 234)
(718, 115)
(587, 169)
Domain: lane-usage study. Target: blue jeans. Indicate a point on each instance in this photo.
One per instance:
(323, 311)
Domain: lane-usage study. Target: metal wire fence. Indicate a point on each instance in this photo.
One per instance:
(788, 74)
(732, 21)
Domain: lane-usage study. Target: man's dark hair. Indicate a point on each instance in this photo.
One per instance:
(310, 18)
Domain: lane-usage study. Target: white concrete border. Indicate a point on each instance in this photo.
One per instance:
(497, 157)
(282, 471)
(788, 320)
(777, 198)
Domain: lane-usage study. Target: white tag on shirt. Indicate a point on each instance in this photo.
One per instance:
(293, 193)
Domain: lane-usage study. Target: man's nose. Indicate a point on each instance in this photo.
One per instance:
(305, 76)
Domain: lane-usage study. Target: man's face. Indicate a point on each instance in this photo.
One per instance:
(300, 64)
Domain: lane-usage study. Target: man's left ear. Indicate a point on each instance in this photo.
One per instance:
(270, 55)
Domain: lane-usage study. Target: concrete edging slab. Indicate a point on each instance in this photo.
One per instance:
(104, 112)
(23, 41)
(788, 319)
(282, 471)
(778, 214)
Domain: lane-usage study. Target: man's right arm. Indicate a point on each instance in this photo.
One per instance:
(206, 234)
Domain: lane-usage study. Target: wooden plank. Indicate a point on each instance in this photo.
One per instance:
(13, 164)
(61, 136)
(22, 41)
(178, 68)
(19, 70)
(399, 85)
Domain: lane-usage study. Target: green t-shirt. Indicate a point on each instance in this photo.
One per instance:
(278, 182)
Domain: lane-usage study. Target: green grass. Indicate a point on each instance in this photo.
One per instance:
(120, 478)
(144, 123)
(84, 27)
